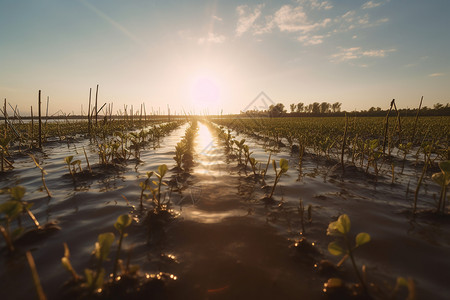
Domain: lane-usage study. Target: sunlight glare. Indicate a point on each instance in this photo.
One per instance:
(205, 92)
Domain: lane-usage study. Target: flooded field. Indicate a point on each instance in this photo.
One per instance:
(220, 237)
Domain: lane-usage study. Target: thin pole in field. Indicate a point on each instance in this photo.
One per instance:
(415, 121)
(386, 127)
(6, 117)
(96, 112)
(89, 112)
(32, 126)
(40, 120)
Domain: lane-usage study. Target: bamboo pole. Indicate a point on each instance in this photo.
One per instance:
(40, 120)
(89, 112)
(96, 112)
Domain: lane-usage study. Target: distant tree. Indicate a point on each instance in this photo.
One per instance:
(438, 106)
(292, 106)
(315, 109)
(336, 107)
(276, 110)
(324, 107)
(300, 107)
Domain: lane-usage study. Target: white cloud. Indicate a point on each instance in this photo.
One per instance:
(316, 4)
(436, 75)
(293, 19)
(217, 18)
(370, 4)
(212, 38)
(311, 40)
(247, 18)
(347, 54)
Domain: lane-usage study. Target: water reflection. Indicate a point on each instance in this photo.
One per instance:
(207, 152)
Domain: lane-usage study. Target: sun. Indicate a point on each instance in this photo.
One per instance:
(205, 92)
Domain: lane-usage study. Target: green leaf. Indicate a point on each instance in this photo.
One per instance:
(11, 209)
(68, 159)
(103, 245)
(123, 222)
(17, 192)
(343, 224)
(335, 249)
(162, 169)
(332, 229)
(362, 238)
(284, 165)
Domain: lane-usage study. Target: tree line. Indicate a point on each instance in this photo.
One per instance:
(334, 109)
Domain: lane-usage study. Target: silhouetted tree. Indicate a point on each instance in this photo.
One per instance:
(292, 108)
(336, 107)
(324, 107)
(300, 107)
(276, 110)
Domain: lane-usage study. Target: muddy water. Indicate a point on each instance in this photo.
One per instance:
(226, 243)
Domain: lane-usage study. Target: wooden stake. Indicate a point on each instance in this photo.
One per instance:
(89, 113)
(96, 112)
(40, 120)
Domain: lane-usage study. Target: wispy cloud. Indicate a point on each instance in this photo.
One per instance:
(316, 4)
(347, 54)
(247, 17)
(212, 38)
(294, 19)
(436, 75)
(311, 40)
(370, 4)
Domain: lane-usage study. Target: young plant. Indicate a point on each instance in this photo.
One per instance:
(122, 222)
(43, 172)
(443, 179)
(144, 186)
(284, 166)
(162, 170)
(65, 260)
(71, 164)
(240, 146)
(341, 229)
(95, 278)
(11, 210)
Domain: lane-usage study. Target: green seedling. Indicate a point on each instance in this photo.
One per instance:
(122, 222)
(240, 146)
(341, 229)
(65, 260)
(144, 186)
(253, 163)
(43, 172)
(162, 170)
(284, 166)
(443, 180)
(71, 164)
(11, 210)
(94, 279)
(180, 149)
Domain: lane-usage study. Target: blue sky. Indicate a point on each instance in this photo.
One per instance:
(212, 55)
